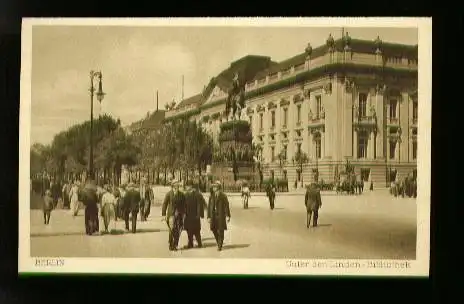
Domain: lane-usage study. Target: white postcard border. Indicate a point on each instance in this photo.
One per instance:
(418, 267)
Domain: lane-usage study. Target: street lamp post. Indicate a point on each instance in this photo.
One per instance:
(100, 95)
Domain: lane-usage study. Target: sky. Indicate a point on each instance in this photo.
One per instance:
(138, 61)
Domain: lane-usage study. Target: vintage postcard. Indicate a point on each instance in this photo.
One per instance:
(261, 146)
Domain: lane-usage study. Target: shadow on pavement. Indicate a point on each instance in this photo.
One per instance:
(235, 246)
(208, 245)
(57, 234)
(278, 208)
(113, 232)
(143, 230)
(207, 239)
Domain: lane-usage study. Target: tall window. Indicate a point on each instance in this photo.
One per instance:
(415, 112)
(362, 105)
(298, 114)
(285, 117)
(272, 153)
(362, 144)
(251, 120)
(318, 106)
(392, 149)
(393, 106)
(298, 147)
(414, 150)
(285, 151)
(317, 144)
(261, 121)
(273, 120)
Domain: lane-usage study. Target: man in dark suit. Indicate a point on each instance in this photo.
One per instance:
(271, 194)
(313, 202)
(131, 206)
(194, 210)
(218, 211)
(173, 210)
(88, 196)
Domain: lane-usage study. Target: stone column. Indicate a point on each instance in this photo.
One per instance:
(322, 144)
(381, 116)
(370, 145)
(404, 119)
(347, 112)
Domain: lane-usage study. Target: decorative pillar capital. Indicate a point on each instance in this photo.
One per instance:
(380, 89)
(349, 85)
(328, 88)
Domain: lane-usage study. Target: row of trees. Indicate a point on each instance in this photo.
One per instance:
(181, 146)
(68, 154)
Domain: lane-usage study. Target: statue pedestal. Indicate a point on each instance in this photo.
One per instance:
(233, 161)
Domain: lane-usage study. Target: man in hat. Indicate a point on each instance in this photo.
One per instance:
(194, 210)
(90, 199)
(271, 194)
(131, 206)
(146, 194)
(313, 203)
(218, 211)
(120, 193)
(173, 210)
(47, 206)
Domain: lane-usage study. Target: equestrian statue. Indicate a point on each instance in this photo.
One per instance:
(235, 98)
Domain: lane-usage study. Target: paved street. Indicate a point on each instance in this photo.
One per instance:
(373, 225)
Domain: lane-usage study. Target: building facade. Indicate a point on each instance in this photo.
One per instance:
(348, 100)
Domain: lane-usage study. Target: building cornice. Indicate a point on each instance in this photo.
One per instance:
(328, 69)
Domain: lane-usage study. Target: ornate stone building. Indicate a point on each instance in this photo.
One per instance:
(348, 100)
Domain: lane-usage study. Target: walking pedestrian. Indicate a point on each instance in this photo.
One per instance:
(65, 194)
(47, 206)
(194, 211)
(74, 199)
(108, 202)
(218, 214)
(271, 194)
(313, 203)
(90, 200)
(173, 210)
(131, 206)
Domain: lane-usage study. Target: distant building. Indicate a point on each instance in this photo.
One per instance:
(349, 99)
(151, 122)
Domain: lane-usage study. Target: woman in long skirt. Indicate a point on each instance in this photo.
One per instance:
(74, 199)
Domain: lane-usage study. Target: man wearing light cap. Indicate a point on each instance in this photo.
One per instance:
(173, 210)
(218, 211)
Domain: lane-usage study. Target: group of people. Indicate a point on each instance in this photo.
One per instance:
(110, 202)
(183, 210)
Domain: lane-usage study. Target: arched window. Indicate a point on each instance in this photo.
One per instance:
(317, 145)
(362, 105)
(362, 144)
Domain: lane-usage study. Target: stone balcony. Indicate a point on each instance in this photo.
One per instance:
(393, 121)
(365, 121)
(316, 120)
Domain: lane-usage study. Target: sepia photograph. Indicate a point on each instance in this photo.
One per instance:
(225, 146)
